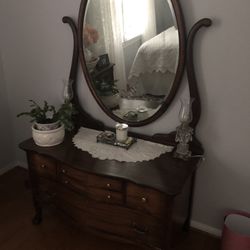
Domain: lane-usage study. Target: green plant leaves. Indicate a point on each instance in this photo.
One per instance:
(48, 113)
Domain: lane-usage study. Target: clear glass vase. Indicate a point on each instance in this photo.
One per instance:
(67, 90)
(184, 132)
(185, 114)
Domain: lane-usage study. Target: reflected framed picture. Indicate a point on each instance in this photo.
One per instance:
(103, 62)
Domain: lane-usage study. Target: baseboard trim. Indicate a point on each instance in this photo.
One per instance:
(22, 164)
(200, 226)
(12, 165)
(205, 228)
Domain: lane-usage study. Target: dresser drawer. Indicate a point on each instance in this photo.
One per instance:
(72, 178)
(65, 171)
(88, 188)
(148, 200)
(81, 179)
(66, 196)
(73, 184)
(59, 195)
(104, 182)
(105, 196)
(97, 194)
(145, 229)
(126, 223)
(42, 165)
(148, 239)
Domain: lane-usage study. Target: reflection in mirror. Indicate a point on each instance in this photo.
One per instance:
(131, 49)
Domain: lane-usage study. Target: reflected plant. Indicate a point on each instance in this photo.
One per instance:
(106, 88)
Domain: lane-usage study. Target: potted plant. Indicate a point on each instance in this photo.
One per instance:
(50, 124)
(108, 92)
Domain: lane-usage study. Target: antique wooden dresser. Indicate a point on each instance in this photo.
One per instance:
(129, 202)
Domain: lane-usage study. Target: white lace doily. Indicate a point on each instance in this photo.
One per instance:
(142, 150)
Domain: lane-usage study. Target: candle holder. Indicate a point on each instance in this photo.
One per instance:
(184, 132)
(117, 139)
(121, 132)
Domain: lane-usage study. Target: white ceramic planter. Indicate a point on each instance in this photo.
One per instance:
(48, 138)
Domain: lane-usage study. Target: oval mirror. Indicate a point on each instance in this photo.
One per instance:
(132, 53)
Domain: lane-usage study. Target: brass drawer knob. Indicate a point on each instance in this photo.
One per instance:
(108, 185)
(43, 166)
(109, 197)
(64, 171)
(144, 199)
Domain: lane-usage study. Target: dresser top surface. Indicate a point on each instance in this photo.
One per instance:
(166, 174)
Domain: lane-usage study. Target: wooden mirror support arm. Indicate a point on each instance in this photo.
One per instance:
(82, 118)
(74, 64)
(196, 108)
(193, 86)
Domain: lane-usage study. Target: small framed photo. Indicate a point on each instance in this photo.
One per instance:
(103, 61)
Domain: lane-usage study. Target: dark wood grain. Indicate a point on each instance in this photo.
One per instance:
(157, 174)
(74, 63)
(44, 166)
(192, 81)
(82, 118)
(17, 232)
(117, 222)
(148, 200)
(95, 207)
(73, 180)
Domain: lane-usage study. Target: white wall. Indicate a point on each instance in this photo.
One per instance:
(37, 48)
(223, 58)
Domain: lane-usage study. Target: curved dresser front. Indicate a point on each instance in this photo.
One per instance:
(128, 202)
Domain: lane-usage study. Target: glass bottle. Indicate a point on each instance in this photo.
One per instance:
(185, 114)
(184, 132)
(67, 90)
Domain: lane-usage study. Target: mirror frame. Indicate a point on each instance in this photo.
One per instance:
(179, 72)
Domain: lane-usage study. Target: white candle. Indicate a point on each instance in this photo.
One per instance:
(121, 132)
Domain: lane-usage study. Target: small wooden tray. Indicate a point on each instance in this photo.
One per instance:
(110, 138)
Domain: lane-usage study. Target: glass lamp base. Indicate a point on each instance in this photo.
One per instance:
(182, 151)
(183, 137)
